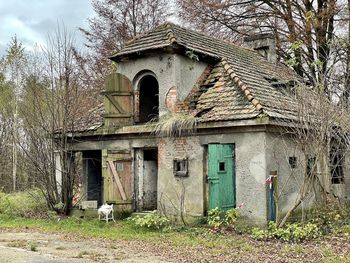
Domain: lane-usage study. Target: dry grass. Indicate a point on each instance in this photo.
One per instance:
(175, 125)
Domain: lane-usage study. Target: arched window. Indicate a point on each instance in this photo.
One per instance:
(148, 99)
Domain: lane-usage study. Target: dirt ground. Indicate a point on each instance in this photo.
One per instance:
(18, 246)
(32, 246)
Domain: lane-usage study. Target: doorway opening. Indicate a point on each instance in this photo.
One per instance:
(92, 166)
(146, 179)
(149, 99)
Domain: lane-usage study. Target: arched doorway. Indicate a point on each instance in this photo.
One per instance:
(148, 99)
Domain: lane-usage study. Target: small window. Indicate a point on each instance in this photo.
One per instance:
(181, 167)
(293, 162)
(222, 167)
(119, 166)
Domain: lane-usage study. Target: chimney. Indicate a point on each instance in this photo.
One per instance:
(264, 44)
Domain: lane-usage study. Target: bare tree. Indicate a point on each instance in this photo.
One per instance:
(307, 33)
(52, 102)
(319, 136)
(14, 64)
(117, 21)
(6, 123)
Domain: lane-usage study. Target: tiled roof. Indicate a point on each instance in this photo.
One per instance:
(92, 120)
(219, 99)
(243, 72)
(242, 84)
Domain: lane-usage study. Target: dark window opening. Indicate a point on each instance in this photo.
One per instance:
(222, 167)
(150, 155)
(336, 165)
(293, 162)
(149, 99)
(181, 168)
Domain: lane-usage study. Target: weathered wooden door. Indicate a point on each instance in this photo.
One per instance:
(118, 101)
(117, 177)
(221, 176)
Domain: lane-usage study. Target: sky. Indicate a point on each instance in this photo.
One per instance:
(32, 20)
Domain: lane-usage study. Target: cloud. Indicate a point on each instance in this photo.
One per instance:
(31, 21)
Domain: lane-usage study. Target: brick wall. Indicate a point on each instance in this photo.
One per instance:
(171, 99)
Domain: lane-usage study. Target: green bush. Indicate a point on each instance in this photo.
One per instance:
(330, 217)
(293, 232)
(27, 204)
(218, 218)
(152, 220)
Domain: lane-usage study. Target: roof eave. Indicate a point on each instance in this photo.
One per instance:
(174, 47)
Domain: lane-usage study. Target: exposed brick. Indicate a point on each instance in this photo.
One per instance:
(137, 105)
(171, 99)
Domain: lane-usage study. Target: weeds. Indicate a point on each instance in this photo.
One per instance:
(33, 246)
(17, 243)
(293, 232)
(218, 218)
(26, 204)
(151, 221)
(82, 254)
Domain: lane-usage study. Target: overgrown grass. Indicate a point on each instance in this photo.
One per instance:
(21, 210)
(124, 230)
(28, 204)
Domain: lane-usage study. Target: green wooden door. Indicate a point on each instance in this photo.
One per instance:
(221, 176)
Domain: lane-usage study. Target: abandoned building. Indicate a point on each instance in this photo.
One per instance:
(189, 123)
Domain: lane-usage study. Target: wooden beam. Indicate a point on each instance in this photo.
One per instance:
(117, 93)
(117, 179)
(115, 103)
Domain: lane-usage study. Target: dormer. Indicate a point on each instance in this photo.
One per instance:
(159, 76)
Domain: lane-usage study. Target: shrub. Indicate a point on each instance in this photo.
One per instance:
(29, 203)
(330, 217)
(152, 220)
(218, 218)
(294, 232)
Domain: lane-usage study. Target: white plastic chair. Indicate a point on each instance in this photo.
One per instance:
(106, 211)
